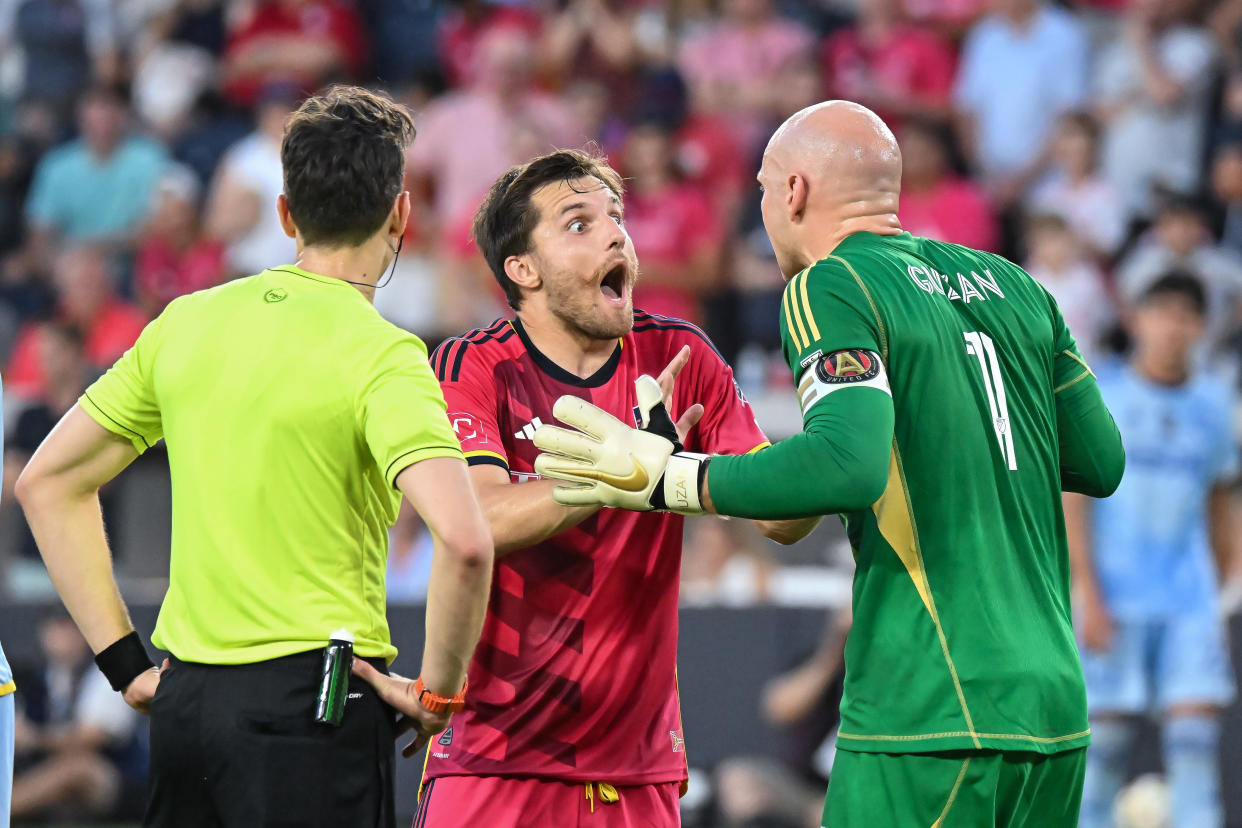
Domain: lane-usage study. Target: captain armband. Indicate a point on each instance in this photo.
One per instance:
(850, 368)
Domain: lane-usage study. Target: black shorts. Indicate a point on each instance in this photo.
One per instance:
(238, 747)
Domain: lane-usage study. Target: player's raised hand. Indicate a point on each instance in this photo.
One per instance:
(398, 692)
(609, 463)
(691, 416)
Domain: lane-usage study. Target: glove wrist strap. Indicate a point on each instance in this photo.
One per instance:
(681, 483)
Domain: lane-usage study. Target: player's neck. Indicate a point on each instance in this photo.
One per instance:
(820, 247)
(572, 350)
(361, 266)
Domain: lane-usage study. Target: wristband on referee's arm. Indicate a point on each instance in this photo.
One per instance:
(440, 704)
(123, 660)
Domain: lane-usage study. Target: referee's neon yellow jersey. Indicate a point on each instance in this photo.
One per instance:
(289, 407)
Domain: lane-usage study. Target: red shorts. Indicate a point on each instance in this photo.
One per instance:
(497, 802)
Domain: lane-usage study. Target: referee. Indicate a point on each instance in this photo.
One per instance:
(295, 417)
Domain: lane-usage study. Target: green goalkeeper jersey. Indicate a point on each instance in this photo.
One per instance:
(962, 635)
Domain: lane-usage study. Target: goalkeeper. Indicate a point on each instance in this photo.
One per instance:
(966, 411)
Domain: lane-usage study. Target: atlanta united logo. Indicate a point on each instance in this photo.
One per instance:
(853, 365)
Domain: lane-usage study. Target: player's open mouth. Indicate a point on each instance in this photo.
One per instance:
(613, 285)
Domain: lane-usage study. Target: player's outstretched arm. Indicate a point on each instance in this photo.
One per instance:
(59, 492)
(522, 514)
(839, 463)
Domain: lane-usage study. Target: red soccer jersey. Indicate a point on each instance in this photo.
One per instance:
(575, 674)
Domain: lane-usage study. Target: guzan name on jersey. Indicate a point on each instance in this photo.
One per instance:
(930, 280)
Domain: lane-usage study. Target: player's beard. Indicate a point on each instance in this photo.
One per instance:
(578, 310)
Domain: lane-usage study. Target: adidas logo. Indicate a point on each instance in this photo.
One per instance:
(528, 430)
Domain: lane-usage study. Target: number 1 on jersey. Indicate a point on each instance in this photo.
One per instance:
(980, 345)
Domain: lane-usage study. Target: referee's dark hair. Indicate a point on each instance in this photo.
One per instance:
(503, 225)
(343, 156)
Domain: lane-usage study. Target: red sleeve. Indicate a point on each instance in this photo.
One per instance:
(728, 425)
(471, 398)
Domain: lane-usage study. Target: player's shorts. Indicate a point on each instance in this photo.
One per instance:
(498, 802)
(955, 789)
(1155, 664)
(6, 757)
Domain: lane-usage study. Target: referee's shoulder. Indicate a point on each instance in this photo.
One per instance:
(487, 344)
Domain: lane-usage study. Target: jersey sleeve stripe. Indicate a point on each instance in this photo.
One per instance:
(114, 419)
(789, 323)
(461, 354)
(443, 351)
(479, 458)
(1079, 360)
(875, 311)
(760, 447)
(1074, 381)
(806, 305)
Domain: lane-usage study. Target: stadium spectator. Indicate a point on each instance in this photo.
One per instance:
(1055, 257)
(63, 46)
(78, 747)
(592, 39)
(950, 18)
(97, 188)
(935, 202)
(174, 256)
(1152, 94)
(1147, 578)
(468, 137)
(87, 300)
(1074, 189)
(240, 209)
(732, 64)
(673, 228)
(1181, 239)
(466, 26)
(67, 372)
(889, 64)
(306, 43)
(1021, 67)
(1226, 174)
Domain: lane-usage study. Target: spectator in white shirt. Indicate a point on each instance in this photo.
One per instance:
(1153, 88)
(1021, 67)
(1074, 189)
(1056, 259)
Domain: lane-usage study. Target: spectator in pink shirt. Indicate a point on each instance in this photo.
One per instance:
(462, 30)
(935, 202)
(733, 64)
(890, 65)
(466, 139)
(672, 225)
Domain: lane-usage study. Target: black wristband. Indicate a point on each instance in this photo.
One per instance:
(124, 660)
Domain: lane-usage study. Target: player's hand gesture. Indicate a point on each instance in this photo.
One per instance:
(398, 692)
(1096, 625)
(691, 416)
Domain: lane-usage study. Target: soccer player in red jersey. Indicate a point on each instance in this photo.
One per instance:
(572, 714)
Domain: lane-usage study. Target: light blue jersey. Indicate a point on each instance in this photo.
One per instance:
(1150, 539)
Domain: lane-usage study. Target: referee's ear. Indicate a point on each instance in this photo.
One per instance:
(286, 218)
(399, 216)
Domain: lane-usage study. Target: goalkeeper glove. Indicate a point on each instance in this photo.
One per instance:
(612, 464)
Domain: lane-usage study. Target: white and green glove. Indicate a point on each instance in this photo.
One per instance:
(610, 463)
